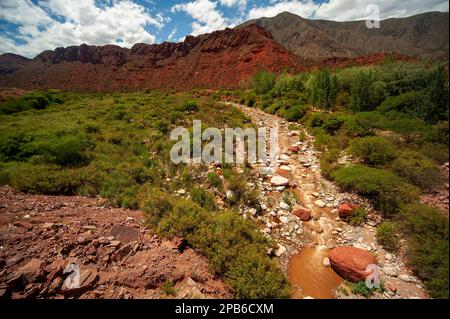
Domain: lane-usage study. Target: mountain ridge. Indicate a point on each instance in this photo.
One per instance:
(198, 62)
(422, 36)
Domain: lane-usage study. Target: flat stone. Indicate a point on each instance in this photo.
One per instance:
(280, 251)
(405, 278)
(390, 271)
(124, 233)
(278, 181)
(320, 203)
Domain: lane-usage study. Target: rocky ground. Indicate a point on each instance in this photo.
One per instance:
(313, 217)
(44, 239)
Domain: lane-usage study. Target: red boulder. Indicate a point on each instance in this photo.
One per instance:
(294, 149)
(345, 210)
(301, 213)
(351, 262)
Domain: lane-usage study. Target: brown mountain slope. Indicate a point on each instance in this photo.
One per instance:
(424, 35)
(220, 59)
(10, 63)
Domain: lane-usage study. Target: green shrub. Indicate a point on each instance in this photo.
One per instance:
(373, 150)
(287, 83)
(426, 230)
(251, 268)
(214, 180)
(155, 203)
(360, 288)
(263, 82)
(386, 190)
(363, 123)
(222, 237)
(387, 235)
(67, 150)
(417, 170)
(203, 198)
(359, 216)
(295, 112)
(405, 103)
(48, 179)
(13, 146)
(437, 152)
(34, 100)
(189, 106)
(168, 289)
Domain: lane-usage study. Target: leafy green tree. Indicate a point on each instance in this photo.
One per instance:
(360, 93)
(263, 82)
(325, 90)
(435, 103)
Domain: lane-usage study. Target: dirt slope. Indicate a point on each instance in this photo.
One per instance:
(40, 236)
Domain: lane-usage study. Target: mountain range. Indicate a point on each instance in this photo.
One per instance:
(421, 36)
(228, 58)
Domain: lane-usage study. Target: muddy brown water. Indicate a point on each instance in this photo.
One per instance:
(309, 277)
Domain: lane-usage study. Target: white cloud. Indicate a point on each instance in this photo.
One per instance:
(301, 8)
(204, 12)
(172, 34)
(120, 22)
(346, 10)
(241, 4)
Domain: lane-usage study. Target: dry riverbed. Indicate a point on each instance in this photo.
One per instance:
(303, 245)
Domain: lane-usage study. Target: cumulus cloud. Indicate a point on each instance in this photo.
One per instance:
(345, 10)
(241, 4)
(301, 8)
(54, 23)
(206, 15)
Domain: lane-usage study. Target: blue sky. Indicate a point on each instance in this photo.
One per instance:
(28, 27)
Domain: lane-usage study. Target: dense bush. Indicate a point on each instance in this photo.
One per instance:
(48, 179)
(363, 124)
(203, 198)
(436, 99)
(189, 106)
(428, 246)
(408, 102)
(325, 88)
(222, 237)
(263, 82)
(386, 190)
(387, 235)
(373, 150)
(360, 93)
(34, 100)
(214, 180)
(295, 112)
(359, 216)
(288, 83)
(67, 150)
(418, 170)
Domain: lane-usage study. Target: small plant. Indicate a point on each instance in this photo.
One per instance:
(189, 106)
(203, 198)
(214, 180)
(168, 289)
(373, 150)
(387, 236)
(358, 217)
(360, 288)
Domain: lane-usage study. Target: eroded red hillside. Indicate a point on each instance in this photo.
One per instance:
(222, 59)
